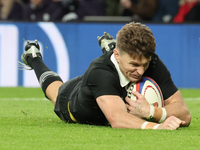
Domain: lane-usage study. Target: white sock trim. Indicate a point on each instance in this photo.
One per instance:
(45, 75)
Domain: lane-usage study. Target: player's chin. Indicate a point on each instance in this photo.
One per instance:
(135, 80)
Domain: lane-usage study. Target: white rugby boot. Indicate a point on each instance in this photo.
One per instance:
(31, 50)
(106, 42)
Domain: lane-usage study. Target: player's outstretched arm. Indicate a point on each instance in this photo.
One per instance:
(116, 113)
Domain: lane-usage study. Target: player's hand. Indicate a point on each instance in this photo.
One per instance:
(107, 42)
(139, 107)
(171, 123)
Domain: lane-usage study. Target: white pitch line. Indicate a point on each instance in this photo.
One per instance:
(190, 99)
(24, 99)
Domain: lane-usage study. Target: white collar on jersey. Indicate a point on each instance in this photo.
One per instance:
(123, 80)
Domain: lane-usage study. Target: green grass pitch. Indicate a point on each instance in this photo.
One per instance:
(27, 121)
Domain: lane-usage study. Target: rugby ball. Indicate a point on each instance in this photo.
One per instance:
(149, 88)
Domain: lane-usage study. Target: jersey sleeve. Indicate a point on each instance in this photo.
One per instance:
(159, 72)
(104, 82)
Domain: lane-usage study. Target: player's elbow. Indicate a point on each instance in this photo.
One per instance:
(115, 125)
(114, 122)
(186, 116)
(187, 120)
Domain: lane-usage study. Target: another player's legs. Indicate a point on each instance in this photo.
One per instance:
(49, 80)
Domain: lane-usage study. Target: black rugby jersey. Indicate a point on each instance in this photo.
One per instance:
(101, 78)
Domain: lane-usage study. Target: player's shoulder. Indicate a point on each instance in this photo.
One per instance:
(154, 58)
(156, 62)
(156, 67)
(103, 62)
(101, 65)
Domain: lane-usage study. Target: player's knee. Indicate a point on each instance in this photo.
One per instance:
(52, 91)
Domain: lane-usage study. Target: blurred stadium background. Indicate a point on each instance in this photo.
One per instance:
(68, 49)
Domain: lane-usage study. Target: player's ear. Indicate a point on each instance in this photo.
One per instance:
(116, 54)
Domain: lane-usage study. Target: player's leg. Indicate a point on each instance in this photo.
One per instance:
(49, 80)
(52, 91)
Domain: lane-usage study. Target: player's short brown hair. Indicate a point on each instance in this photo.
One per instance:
(137, 40)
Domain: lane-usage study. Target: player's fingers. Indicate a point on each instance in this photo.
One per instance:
(179, 121)
(128, 100)
(128, 107)
(183, 122)
(174, 125)
(168, 125)
(174, 122)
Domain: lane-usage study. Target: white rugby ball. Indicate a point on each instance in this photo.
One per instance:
(149, 88)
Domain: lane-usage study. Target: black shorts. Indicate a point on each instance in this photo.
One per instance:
(64, 95)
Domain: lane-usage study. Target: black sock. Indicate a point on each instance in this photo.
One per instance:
(44, 75)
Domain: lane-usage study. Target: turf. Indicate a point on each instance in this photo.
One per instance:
(27, 121)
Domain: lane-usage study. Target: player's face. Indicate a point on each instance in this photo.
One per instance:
(132, 68)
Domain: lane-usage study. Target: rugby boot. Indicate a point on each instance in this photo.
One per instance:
(32, 50)
(106, 42)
